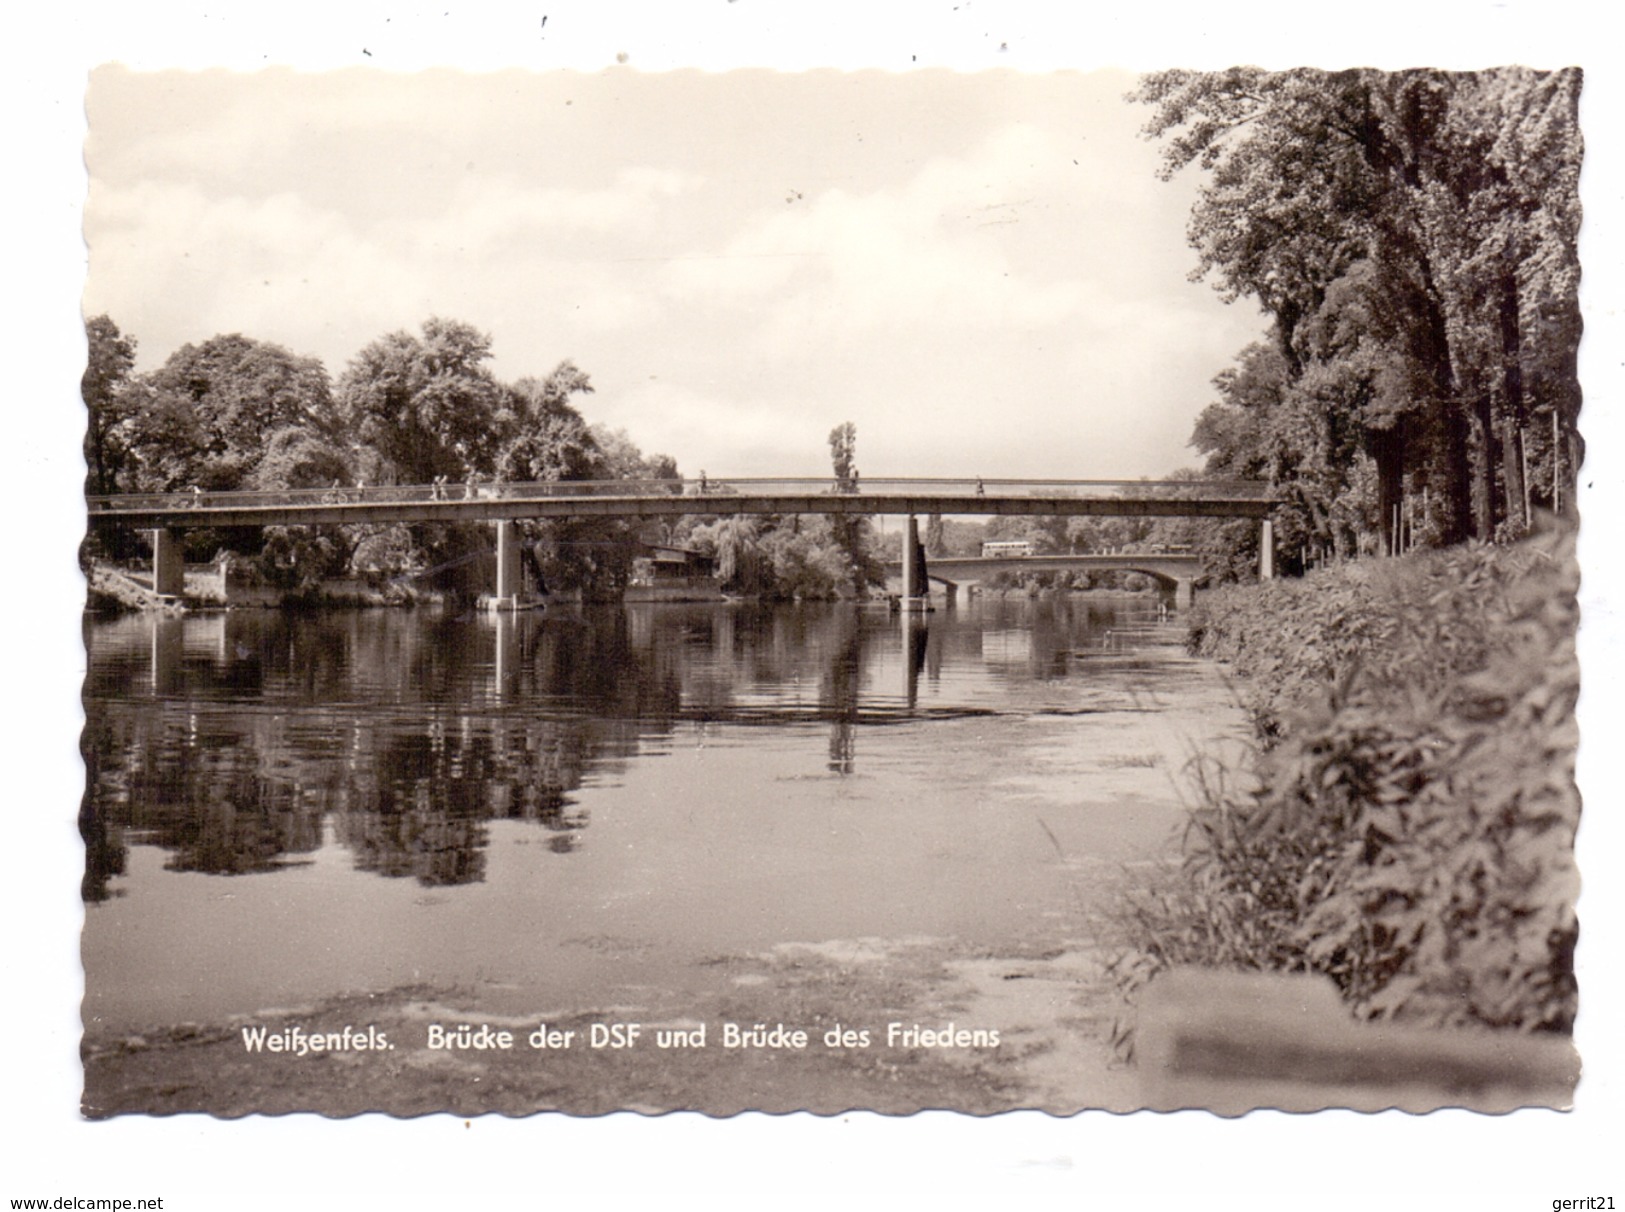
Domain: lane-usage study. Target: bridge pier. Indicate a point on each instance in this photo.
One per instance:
(1184, 594)
(1266, 550)
(916, 585)
(508, 579)
(168, 564)
(509, 592)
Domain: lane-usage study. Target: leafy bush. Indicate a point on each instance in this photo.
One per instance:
(1408, 823)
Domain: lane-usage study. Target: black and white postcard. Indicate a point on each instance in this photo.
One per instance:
(619, 584)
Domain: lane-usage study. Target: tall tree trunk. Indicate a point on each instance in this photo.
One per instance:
(933, 534)
(1485, 453)
(1513, 462)
(1454, 428)
(1572, 450)
(1387, 448)
(1515, 409)
(1458, 516)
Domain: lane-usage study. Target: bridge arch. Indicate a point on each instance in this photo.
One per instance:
(1177, 572)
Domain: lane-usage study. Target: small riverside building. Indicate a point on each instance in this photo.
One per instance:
(673, 574)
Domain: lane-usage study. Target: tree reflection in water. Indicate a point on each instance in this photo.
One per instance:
(244, 742)
(394, 738)
(840, 693)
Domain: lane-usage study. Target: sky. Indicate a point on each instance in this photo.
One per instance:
(981, 271)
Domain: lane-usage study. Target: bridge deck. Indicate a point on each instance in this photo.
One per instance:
(1173, 563)
(665, 498)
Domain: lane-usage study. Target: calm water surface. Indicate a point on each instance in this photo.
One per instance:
(577, 810)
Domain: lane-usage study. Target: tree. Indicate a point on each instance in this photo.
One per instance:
(1397, 227)
(111, 358)
(934, 537)
(851, 531)
(843, 452)
(419, 408)
(807, 561)
(427, 405)
(790, 556)
(298, 557)
(623, 460)
(228, 413)
(542, 436)
(232, 395)
(213, 414)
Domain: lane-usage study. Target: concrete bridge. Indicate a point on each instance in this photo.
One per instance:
(168, 515)
(1177, 571)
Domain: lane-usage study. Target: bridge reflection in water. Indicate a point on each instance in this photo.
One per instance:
(245, 742)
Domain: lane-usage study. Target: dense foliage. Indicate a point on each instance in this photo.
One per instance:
(1408, 826)
(236, 413)
(795, 556)
(1412, 238)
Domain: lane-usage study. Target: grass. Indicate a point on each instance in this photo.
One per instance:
(1405, 823)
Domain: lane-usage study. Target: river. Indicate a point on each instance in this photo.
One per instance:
(593, 808)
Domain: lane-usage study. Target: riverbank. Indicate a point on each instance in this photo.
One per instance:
(872, 1014)
(1405, 823)
(112, 590)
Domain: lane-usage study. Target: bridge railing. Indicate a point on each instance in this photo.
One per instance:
(385, 494)
(407, 494)
(972, 487)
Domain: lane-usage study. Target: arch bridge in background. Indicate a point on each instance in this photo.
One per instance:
(1178, 571)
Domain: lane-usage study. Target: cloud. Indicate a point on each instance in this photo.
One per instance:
(173, 264)
(1006, 237)
(502, 211)
(723, 431)
(1019, 300)
(168, 257)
